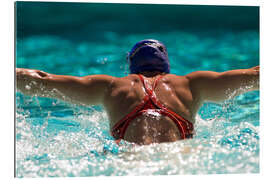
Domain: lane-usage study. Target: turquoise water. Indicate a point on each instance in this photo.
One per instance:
(58, 139)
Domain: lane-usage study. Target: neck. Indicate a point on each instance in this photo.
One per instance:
(151, 73)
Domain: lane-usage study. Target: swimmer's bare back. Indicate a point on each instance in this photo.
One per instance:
(119, 96)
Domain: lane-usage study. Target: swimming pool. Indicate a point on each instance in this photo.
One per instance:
(58, 139)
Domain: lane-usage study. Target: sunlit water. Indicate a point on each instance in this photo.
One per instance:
(58, 139)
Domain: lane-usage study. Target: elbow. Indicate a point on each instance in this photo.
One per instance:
(37, 74)
(42, 74)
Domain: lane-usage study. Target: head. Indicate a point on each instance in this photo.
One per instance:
(148, 56)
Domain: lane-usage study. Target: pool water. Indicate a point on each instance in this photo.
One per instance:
(58, 139)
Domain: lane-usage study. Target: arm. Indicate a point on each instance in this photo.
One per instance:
(213, 86)
(88, 90)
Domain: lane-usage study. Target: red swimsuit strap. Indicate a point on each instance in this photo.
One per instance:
(184, 125)
(120, 127)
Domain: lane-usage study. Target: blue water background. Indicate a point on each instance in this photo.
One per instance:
(58, 139)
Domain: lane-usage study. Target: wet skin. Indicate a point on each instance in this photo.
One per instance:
(119, 96)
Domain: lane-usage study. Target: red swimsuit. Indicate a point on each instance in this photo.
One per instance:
(150, 102)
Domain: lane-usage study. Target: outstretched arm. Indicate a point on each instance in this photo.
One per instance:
(214, 86)
(88, 90)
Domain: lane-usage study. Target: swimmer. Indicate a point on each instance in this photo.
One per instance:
(150, 105)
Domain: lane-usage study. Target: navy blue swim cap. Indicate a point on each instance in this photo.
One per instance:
(148, 55)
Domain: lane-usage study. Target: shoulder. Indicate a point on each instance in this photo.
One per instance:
(90, 79)
(124, 81)
(174, 79)
(202, 75)
(130, 77)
